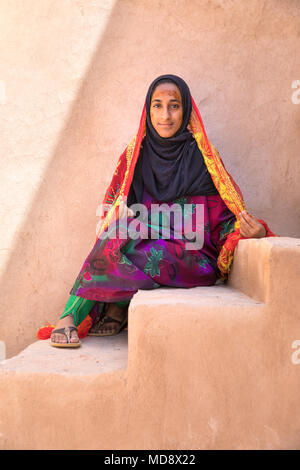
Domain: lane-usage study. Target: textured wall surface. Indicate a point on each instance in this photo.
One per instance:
(73, 78)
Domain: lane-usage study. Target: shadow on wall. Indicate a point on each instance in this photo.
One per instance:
(136, 46)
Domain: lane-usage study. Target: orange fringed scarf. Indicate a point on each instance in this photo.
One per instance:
(226, 186)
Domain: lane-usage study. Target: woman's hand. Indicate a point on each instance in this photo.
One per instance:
(250, 227)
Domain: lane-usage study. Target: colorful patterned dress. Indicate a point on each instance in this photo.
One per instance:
(111, 275)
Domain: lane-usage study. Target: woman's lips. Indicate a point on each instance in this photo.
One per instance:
(165, 125)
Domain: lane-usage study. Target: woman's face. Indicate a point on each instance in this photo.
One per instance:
(166, 109)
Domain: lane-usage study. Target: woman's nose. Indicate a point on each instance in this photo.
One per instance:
(165, 113)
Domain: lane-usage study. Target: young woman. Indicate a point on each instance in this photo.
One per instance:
(169, 161)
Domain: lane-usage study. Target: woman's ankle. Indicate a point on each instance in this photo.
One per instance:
(67, 320)
(116, 311)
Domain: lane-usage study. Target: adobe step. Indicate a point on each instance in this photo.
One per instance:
(97, 355)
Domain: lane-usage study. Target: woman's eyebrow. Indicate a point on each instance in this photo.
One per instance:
(173, 99)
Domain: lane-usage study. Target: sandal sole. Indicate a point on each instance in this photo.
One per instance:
(65, 345)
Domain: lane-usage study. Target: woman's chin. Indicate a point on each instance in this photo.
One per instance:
(166, 133)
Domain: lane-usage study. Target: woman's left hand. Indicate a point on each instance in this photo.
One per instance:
(250, 227)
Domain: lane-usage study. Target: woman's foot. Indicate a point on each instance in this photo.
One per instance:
(110, 327)
(60, 337)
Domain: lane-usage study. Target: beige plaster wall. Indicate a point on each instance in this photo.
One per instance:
(73, 78)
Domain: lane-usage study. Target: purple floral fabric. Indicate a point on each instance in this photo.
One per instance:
(117, 268)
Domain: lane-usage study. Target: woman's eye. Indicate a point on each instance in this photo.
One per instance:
(158, 105)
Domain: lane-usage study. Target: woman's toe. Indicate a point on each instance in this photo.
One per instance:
(56, 339)
(59, 338)
(74, 338)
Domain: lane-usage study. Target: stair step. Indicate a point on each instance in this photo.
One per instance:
(195, 297)
(97, 355)
(220, 356)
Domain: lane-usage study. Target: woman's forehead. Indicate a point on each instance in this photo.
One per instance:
(165, 90)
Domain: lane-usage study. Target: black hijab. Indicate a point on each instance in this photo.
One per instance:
(172, 167)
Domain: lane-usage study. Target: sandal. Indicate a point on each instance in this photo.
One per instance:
(103, 321)
(67, 330)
